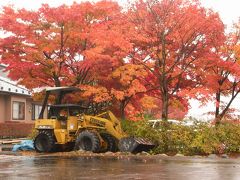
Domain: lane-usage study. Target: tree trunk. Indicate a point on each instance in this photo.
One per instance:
(122, 108)
(163, 81)
(165, 106)
(218, 98)
(227, 107)
(165, 97)
(58, 99)
(217, 111)
(222, 114)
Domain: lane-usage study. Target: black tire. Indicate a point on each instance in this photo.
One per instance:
(88, 141)
(111, 142)
(44, 141)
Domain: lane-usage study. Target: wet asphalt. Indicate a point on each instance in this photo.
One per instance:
(51, 168)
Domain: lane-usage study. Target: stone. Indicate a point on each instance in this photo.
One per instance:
(108, 153)
(212, 156)
(179, 155)
(144, 153)
(224, 156)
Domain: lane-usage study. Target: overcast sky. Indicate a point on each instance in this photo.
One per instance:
(228, 10)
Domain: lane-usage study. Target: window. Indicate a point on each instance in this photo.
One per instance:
(18, 110)
(36, 109)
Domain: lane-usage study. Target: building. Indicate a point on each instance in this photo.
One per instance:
(17, 108)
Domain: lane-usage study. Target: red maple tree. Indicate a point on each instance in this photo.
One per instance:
(172, 38)
(149, 58)
(222, 74)
(53, 46)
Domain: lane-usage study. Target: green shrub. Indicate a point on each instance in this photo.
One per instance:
(206, 140)
(229, 136)
(140, 129)
(201, 139)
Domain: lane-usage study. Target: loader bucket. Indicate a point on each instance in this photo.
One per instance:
(135, 145)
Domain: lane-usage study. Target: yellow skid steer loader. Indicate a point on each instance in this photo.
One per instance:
(68, 126)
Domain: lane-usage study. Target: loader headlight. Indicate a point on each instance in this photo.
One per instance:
(45, 127)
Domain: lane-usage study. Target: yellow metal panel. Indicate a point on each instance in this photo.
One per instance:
(72, 123)
(112, 125)
(61, 135)
(47, 122)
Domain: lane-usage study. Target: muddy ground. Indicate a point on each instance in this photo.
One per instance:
(144, 156)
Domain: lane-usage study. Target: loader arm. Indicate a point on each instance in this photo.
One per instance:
(109, 123)
(115, 122)
(106, 121)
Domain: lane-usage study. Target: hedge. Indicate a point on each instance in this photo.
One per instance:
(15, 129)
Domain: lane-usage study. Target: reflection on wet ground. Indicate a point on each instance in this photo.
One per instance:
(20, 167)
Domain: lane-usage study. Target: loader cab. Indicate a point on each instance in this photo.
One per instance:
(59, 93)
(63, 111)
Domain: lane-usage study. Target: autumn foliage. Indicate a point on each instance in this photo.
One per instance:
(149, 58)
